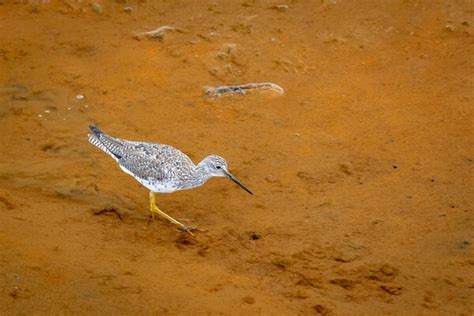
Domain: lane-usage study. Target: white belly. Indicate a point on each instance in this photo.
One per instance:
(155, 186)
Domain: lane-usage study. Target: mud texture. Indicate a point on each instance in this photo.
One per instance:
(362, 170)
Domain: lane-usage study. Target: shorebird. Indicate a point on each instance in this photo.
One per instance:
(161, 168)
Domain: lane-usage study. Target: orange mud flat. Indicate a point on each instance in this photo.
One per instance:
(362, 170)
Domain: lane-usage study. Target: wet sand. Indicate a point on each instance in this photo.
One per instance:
(362, 170)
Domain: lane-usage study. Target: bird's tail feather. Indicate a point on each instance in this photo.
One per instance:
(106, 143)
(96, 130)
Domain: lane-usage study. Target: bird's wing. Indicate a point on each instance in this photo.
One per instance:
(157, 161)
(144, 168)
(122, 148)
(159, 152)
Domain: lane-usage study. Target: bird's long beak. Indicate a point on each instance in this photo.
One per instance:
(228, 174)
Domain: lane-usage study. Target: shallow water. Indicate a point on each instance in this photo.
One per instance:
(362, 169)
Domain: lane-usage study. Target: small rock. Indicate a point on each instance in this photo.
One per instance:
(450, 28)
(97, 8)
(15, 291)
(254, 236)
(281, 7)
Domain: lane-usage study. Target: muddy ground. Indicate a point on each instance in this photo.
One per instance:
(362, 170)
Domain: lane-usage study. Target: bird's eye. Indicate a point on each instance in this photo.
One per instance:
(218, 167)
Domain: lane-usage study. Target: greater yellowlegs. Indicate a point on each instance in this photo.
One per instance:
(161, 168)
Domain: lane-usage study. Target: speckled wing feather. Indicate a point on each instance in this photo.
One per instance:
(157, 161)
(143, 168)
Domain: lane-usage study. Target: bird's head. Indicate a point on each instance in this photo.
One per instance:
(216, 166)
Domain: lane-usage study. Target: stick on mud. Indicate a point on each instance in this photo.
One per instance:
(155, 34)
(242, 89)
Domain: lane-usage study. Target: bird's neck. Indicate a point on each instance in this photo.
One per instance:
(200, 175)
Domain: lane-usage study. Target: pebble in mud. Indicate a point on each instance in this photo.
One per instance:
(281, 7)
(254, 236)
(97, 8)
(15, 291)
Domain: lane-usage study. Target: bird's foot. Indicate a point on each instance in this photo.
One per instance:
(188, 229)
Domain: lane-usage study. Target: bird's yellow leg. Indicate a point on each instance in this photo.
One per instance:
(155, 210)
